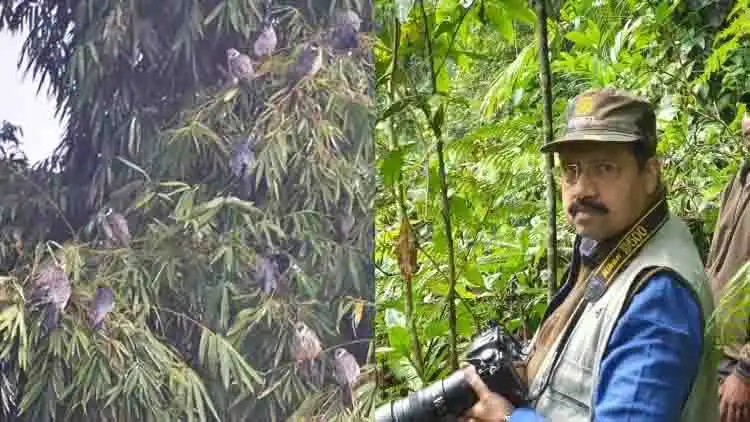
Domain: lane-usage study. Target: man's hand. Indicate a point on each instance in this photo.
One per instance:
(491, 407)
(734, 396)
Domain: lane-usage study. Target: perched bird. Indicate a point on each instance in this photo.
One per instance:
(115, 227)
(104, 302)
(306, 345)
(267, 270)
(242, 158)
(344, 39)
(346, 372)
(240, 66)
(345, 226)
(345, 34)
(347, 18)
(51, 290)
(265, 44)
(17, 234)
(308, 63)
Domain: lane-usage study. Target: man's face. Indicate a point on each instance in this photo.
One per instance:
(746, 127)
(603, 190)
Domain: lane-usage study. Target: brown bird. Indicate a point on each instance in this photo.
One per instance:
(265, 44)
(115, 227)
(18, 240)
(347, 18)
(104, 302)
(308, 63)
(346, 372)
(307, 345)
(267, 270)
(345, 34)
(51, 290)
(344, 227)
(240, 66)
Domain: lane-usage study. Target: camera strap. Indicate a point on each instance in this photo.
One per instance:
(607, 271)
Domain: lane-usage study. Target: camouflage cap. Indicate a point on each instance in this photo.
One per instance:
(609, 115)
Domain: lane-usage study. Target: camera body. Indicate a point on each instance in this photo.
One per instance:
(493, 353)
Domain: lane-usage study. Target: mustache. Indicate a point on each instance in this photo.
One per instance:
(586, 204)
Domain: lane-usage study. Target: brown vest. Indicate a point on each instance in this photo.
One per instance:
(730, 249)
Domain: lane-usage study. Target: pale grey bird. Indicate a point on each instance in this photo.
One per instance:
(345, 226)
(104, 302)
(267, 270)
(241, 161)
(306, 346)
(51, 290)
(346, 372)
(308, 63)
(114, 227)
(344, 39)
(265, 44)
(240, 66)
(345, 34)
(347, 18)
(240, 158)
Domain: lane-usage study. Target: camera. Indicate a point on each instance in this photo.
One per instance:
(493, 354)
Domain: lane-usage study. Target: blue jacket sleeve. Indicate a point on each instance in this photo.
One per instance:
(651, 359)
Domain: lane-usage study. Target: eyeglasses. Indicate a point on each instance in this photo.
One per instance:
(599, 171)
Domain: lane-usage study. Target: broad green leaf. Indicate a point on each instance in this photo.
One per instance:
(391, 166)
(398, 338)
(472, 274)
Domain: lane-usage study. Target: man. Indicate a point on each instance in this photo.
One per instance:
(730, 249)
(623, 339)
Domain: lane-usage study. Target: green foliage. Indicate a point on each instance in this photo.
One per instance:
(152, 125)
(488, 87)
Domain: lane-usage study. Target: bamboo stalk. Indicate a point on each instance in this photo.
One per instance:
(545, 76)
(415, 344)
(451, 297)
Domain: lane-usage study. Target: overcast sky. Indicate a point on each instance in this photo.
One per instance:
(20, 105)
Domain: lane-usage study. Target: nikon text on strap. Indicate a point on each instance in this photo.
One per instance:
(600, 278)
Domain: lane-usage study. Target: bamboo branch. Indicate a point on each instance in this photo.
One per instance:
(546, 86)
(416, 347)
(451, 297)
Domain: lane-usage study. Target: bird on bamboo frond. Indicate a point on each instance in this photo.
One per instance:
(344, 36)
(306, 348)
(240, 67)
(114, 227)
(306, 65)
(50, 291)
(344, 226)
(265, 44)
(103, 304)
(346, 373)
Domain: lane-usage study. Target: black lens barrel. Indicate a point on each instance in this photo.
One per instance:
(450, 396)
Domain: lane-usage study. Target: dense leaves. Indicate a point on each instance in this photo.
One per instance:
(222, 259)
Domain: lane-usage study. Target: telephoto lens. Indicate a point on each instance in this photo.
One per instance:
(447, 397)
(493, 354)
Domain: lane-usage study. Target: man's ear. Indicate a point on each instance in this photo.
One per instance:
(652, 173)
